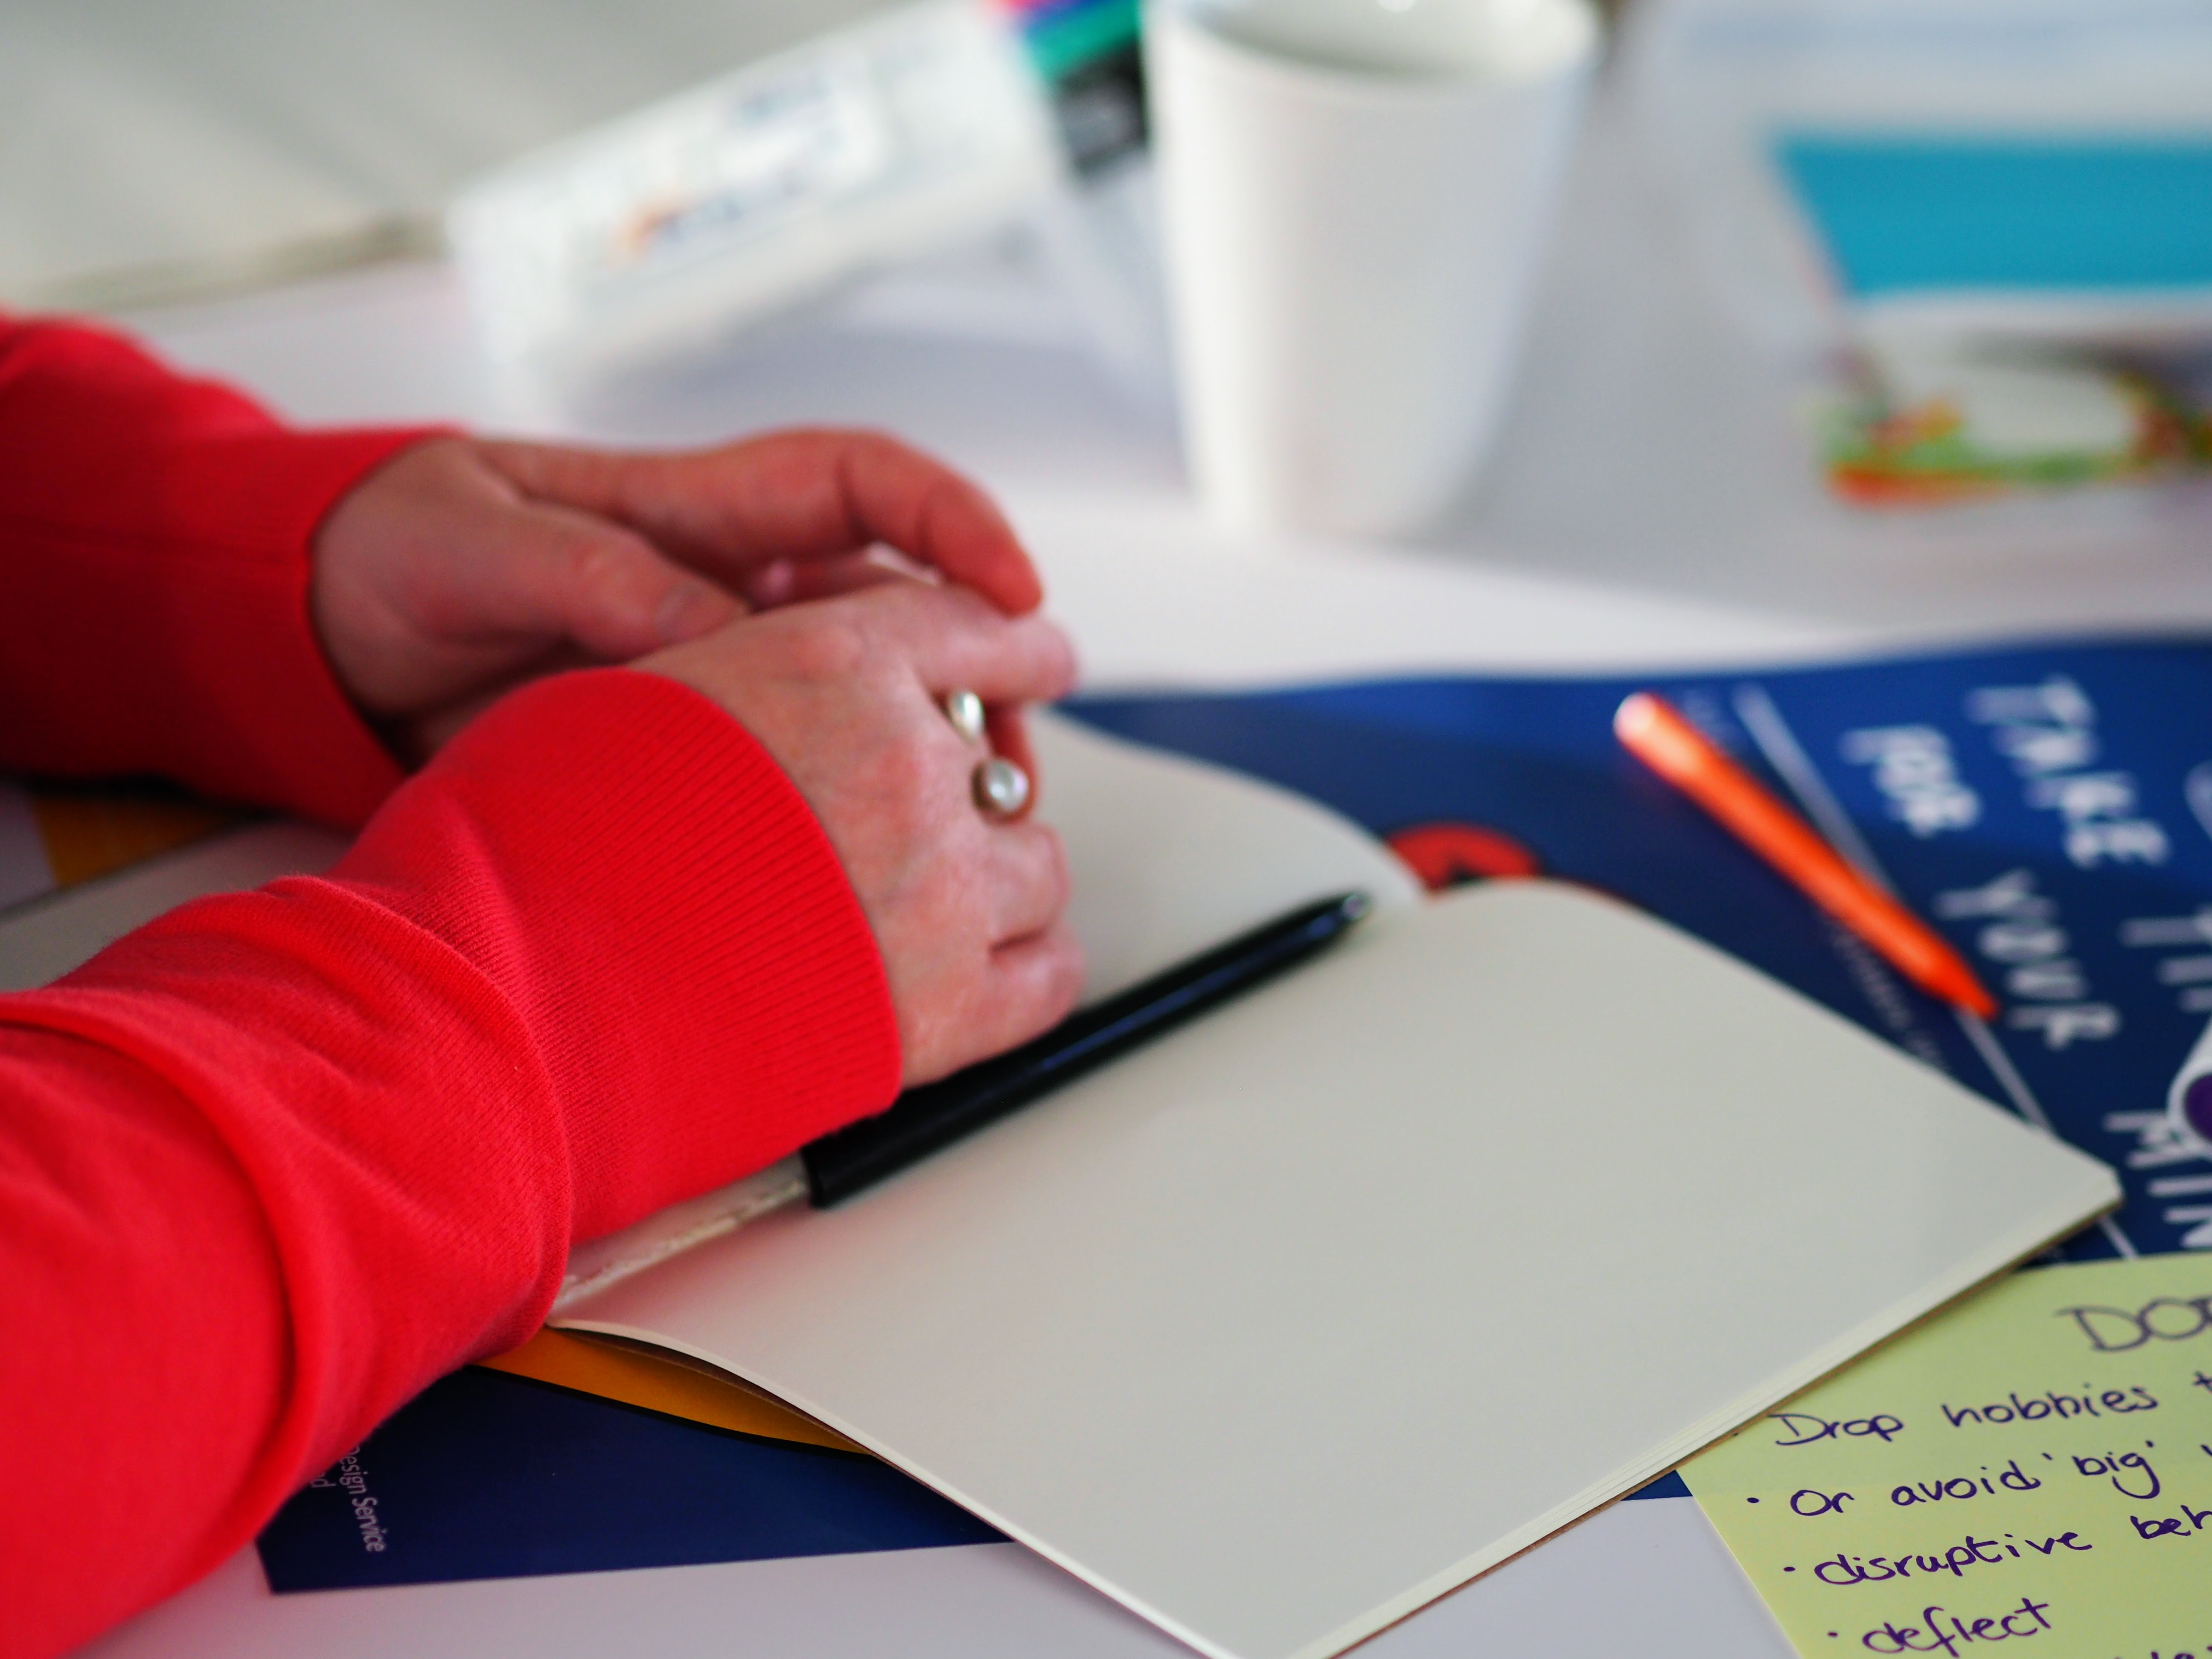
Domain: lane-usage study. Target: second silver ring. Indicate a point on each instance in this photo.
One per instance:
(1000, 787)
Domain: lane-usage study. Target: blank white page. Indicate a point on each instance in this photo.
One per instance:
(1169, 856)
(1296, 1320)
(1166, 856)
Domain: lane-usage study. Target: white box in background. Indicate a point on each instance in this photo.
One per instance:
(655, 232)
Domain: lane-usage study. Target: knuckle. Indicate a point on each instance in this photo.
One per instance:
(826, 646)
(1054, 883)
(907, 774)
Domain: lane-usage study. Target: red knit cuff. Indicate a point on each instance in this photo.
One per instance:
(155, 542)
(655, 898)
(270, 722)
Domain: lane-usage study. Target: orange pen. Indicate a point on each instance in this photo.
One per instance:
(1656, 734)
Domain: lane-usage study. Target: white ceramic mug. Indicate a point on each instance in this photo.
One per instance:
(1356, 196)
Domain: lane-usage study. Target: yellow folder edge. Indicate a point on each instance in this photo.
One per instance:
(661, 1382)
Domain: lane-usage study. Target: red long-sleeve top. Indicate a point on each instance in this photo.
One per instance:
(274, 1163)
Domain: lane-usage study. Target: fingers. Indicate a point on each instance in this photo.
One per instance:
(803, 495)
(1010, 736)
(788, 582)
(1028, 873)
(1036, 982)
(611, 591)
(897, 496)
(952, 640)
(1028, 988)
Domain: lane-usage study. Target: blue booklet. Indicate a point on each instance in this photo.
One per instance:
(1946, 212)
(2048, 808)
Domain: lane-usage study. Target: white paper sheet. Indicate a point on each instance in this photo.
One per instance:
(1285, 1326)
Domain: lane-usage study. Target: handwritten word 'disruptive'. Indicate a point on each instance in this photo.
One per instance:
(2162, 1319)
(2054, 1405)
(1844, 1570)
(1941, 1631)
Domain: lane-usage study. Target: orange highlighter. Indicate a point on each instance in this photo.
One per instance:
(1656, 734)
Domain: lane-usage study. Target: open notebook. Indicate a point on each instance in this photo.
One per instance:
(1329, 1302)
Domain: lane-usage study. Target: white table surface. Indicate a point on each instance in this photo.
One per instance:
(1651, 503)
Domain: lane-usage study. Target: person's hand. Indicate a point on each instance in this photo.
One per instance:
(465, 565)
(845, 694)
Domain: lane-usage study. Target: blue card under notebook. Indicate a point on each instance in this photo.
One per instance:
(1926, 214)
(2048, 808)
(491, 1476)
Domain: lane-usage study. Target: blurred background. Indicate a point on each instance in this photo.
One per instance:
(149, 151)
(1733, 387)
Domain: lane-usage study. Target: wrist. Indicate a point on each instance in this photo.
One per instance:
(646, 891)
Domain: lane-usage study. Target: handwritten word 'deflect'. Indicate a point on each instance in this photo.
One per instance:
(1944, 1631)
(2164, 1319)
(2114, 1402)
(1841, 1570)
(1805, 1429)
(2012, 1477)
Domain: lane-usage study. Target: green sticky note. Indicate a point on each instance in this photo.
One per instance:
(2032, 1469)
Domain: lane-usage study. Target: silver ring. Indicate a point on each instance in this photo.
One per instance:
(1001, 788)
(965, 710)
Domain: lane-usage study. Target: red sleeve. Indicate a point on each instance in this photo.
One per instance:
(271, 1164)
(154, 541)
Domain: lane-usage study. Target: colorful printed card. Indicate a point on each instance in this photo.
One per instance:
(2062, 288)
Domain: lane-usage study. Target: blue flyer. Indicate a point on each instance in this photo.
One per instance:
(2048, 809)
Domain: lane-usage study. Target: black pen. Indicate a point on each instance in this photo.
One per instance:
(923, 1120)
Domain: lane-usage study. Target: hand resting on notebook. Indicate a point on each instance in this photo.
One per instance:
(843, 692)
(462, 567)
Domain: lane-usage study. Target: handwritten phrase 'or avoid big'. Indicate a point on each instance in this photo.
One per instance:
(2028, 1476)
